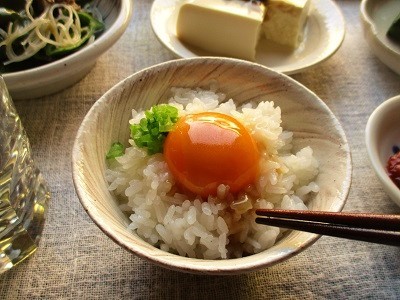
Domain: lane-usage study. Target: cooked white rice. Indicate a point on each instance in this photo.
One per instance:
(219, 227)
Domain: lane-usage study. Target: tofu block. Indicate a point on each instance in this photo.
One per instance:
(285, 21)
(222, 27)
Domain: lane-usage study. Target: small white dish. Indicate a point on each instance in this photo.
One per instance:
(62, 73)
(324, 34)
(376, 17)
(382, 133)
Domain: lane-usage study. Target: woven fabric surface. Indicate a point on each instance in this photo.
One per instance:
(76, 260)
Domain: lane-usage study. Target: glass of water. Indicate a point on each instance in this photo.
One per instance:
(23, 193)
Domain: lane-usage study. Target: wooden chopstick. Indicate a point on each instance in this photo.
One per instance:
(375, 228)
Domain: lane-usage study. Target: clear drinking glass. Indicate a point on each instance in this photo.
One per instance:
(23, 193)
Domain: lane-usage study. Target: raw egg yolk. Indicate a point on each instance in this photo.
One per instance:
(208, 149)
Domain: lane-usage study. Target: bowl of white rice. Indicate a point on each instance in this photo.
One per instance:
(165, 211)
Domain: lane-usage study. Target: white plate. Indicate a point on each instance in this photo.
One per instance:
(377, 16)
(324, 34)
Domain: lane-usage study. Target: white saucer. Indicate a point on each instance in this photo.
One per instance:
(324, 34)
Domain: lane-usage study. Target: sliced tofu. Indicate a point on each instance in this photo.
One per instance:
(285, 21)
(221, 27)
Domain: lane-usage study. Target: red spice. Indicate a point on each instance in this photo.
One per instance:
(393, 168)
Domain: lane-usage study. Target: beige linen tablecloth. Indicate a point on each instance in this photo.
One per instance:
(77, 261)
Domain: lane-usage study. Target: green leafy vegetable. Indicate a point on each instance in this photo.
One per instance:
(116, 149)
(152, 130)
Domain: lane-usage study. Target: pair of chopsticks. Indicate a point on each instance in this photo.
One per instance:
(374, 228)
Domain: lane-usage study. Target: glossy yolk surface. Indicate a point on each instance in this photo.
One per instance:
(208, 149)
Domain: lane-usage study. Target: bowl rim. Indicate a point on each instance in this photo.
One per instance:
(367, 18)
(373, 124)
(197, 266)
(387, 53)
(105, 41)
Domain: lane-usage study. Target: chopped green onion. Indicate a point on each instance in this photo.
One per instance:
(116, 149)
(152, 130)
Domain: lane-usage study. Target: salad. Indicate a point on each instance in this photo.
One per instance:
(35, 32)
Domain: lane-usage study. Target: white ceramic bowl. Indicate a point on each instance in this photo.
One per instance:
(303, 113)
(376, 17)
(62, 73)
(381, 134)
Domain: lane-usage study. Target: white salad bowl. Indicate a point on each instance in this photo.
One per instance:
(62, 73)
(382, 133)
(303, 113)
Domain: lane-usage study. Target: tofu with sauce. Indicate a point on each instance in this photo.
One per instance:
(221, 27)
(285, 20)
